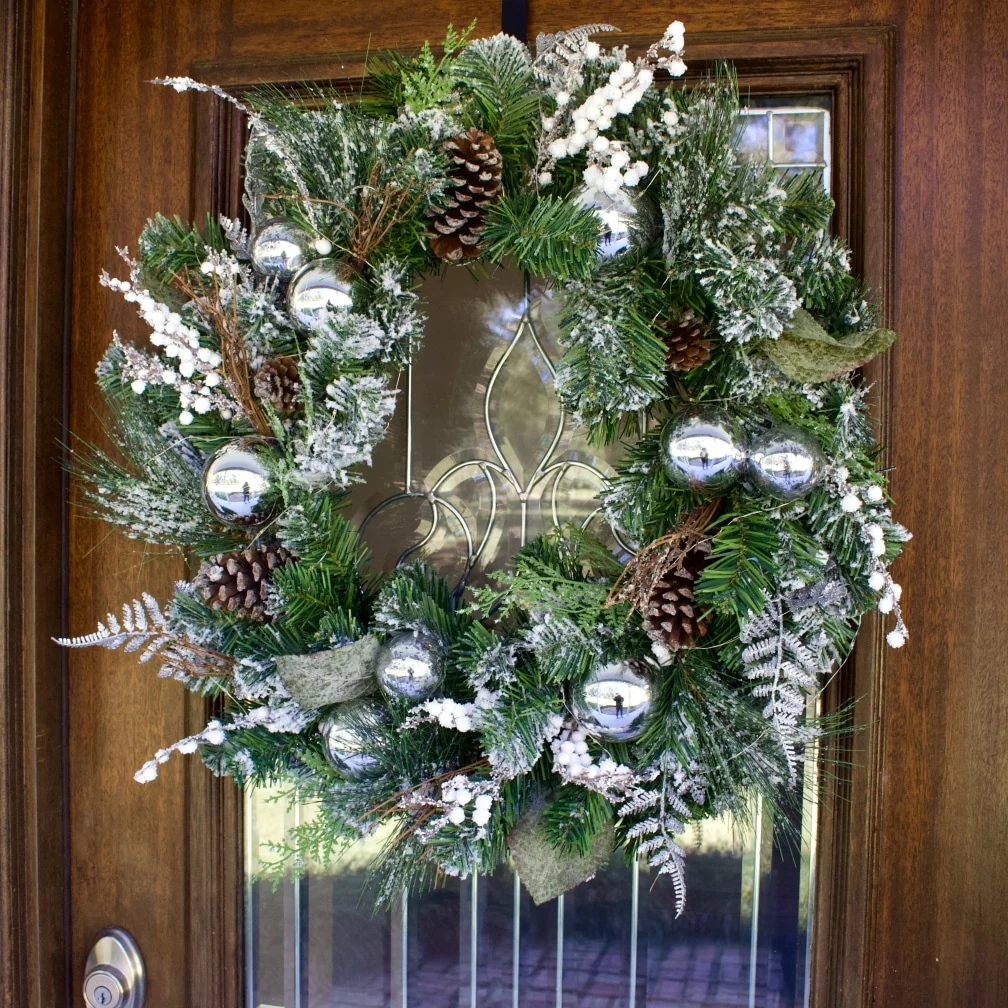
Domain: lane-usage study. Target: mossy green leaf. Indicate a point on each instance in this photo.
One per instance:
(807, 353)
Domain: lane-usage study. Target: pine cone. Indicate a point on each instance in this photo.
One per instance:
(670, 616)
(278, 382)
(687, 340)
(238, 582)
(456, 225)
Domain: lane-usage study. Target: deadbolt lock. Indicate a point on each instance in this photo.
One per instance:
(114, 975)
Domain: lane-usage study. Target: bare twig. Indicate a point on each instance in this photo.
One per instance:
(382, 206)
(392, 802)
(197, 661)
(646, 568)
(232, 347)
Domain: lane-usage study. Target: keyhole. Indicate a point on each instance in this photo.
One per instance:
(103, 995)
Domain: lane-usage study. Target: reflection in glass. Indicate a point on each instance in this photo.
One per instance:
(798, 138)
(793, 138)
(754, 136)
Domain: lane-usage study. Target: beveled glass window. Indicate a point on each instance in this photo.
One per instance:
(480, 458)
(793, 137)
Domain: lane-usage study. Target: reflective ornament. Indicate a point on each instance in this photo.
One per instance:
(237, 484)
(627, 221)
(347, 741)
(700, 450)
(614, 701)
(411, 666)
(318, 291)
(785, 462)
(280, 248)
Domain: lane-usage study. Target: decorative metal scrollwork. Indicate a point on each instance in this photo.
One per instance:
(507, 468)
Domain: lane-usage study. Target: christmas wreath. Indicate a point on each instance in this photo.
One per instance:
(574, 703)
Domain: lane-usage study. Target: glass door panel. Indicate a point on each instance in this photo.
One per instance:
(479, 459)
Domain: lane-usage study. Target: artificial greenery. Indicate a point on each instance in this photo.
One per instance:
(448, 780)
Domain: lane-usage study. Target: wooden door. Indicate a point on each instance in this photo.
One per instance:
(912, 892)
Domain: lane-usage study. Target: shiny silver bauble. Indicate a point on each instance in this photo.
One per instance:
(411, 666)
(238, 485)
(319, 292)
(701, 450)
(614, 701)
(785, 462)
(280, 248)
(628, 221)
(347, 741)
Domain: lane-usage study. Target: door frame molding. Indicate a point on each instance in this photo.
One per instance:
(38, 67)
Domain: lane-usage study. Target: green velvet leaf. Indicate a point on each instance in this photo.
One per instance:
(546, 870)
(807, 353)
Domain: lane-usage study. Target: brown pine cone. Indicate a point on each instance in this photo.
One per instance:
(456, 225)
(670, 616)
(278, 382)
(238, 582)
(687, 340)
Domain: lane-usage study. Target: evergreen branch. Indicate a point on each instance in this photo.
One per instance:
(741, 566)
(573, 818)
(546, 236)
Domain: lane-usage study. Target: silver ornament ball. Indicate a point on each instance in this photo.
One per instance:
(786, 462)
(238, 485)
(411, 666)
(280, 248)
(614, 701)
(318, 292)
(345, 733)
(701, 450)
(627, 221)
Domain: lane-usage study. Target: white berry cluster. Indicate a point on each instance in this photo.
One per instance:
(191, 369)
(457, 794)
(572, 760)
(213, 734)
(609, 165)
(853, 501)
(668, 51)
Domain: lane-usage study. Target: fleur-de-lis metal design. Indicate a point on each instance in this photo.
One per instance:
(534, 470)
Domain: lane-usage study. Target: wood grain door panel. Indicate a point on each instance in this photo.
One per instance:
(913, 874)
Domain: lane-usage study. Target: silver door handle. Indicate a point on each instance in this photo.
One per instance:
(114, 976)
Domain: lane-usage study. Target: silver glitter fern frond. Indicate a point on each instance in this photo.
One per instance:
(143, 625)
(784, 661)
